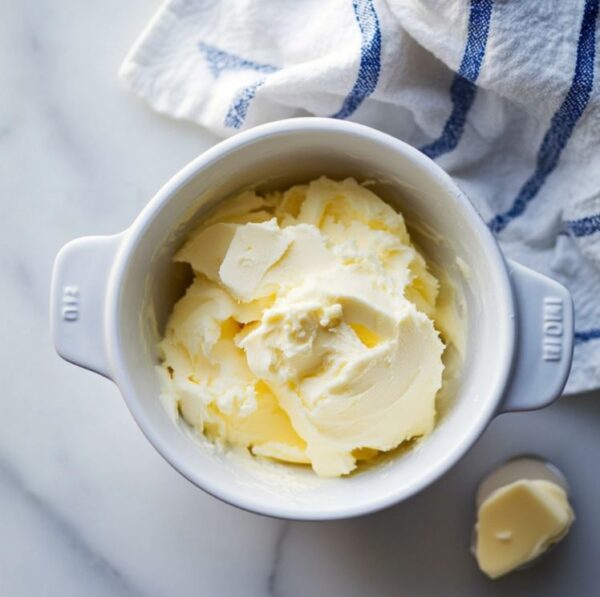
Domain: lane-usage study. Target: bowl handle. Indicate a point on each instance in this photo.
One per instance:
(544, 340)
(77, 300)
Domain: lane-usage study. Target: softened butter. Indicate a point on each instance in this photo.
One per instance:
(309, 332)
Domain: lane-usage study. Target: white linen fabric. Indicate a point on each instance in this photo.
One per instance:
(502, 94)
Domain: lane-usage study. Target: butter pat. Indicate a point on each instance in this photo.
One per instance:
(518, 522)
(310, 331)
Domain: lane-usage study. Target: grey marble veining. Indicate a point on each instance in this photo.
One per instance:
(87, 507)
(105, 577)
(273, 578)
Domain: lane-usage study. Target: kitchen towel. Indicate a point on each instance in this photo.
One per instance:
(503, 94)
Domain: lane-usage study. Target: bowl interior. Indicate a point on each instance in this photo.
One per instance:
(444, 225)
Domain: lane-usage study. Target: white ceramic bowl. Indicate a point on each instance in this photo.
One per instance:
(520, 324)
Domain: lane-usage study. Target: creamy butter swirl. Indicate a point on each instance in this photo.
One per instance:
(308, 332)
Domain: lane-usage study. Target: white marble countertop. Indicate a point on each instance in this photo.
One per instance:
(87, 506)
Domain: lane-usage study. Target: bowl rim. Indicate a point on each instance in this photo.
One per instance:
(170, 189)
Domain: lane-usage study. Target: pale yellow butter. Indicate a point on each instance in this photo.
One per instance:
(308, 333)
(518, 522)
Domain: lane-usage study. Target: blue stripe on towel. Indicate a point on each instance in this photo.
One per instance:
(463, 89)
(584, 226)
(563, 122)
(220, 60)
(370, 58)
(587, 335)
(241, 102)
